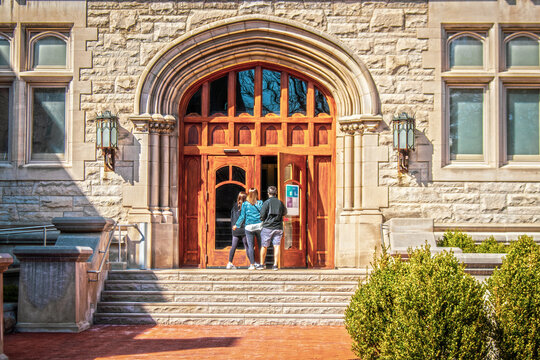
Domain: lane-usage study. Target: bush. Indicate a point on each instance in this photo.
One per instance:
(466, 243)
(458, 239)
(490, 245)
(515, 297)
(427, 308)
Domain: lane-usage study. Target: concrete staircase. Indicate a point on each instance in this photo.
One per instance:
(227, 297)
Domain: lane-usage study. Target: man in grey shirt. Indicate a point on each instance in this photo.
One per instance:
(272, 213)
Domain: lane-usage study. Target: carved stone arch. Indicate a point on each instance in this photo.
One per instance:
(244, 39)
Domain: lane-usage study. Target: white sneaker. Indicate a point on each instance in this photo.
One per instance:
(230, 266)
(251, 267)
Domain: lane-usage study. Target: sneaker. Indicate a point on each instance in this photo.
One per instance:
(259, 267)
(275, 268)
(230, 266)
(251, 267)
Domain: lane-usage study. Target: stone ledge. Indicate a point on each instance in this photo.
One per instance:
(83, 224)
(53, 253)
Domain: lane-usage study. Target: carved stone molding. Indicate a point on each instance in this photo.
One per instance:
(359, 124)
(156, 123)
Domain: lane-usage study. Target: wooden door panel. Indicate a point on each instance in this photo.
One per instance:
(292, 171)
(323, 210)
(218, 255)
(192, 183)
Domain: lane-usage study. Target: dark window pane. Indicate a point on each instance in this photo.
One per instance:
(245, 92)
(225, 199)
(271, 91)
(297, 96)
(4, 123)
(321, 105)
(194, 105)
(523, 121)
(466, 121)
(238, 174)
(50, 51)
(49, 116)
(4, 52)
(222, 174)
(218, 96)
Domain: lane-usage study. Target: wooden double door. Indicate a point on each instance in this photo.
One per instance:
(304, 185)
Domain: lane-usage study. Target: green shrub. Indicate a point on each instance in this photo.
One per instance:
(458, 239)
(490, 245)
(427, 308)
(515, 296)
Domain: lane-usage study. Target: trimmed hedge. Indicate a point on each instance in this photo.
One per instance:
(426, 308)
(466, 243)
(515, 296)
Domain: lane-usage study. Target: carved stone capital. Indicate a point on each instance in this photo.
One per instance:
(162, 124)
(359, 124)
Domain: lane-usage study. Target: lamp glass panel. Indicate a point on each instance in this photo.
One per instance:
(114, 136)
(106, 133)
(402, 135)
(99, 133)
(4, 52)
(522, 51)
(466, 121)
(410, 138)
(49, 118)
(523, 121)
(50, 51)
(466, 51)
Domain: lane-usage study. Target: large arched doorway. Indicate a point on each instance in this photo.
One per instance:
(256, 125)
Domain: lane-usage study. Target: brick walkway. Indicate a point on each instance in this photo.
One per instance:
(184, 342)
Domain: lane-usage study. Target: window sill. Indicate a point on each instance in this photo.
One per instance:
(44, 165)
(468, 76)
(456, 164)
(54, 76)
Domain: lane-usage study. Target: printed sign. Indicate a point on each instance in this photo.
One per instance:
(292, 199)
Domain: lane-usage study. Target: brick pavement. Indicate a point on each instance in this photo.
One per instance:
(184, 342)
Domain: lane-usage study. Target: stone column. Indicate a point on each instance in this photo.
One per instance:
(167, 128)
(154, 163)
(357, 166)
(348, 171)
(5, 261)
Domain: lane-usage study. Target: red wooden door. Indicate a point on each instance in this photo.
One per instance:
(292, 189)
(227, 176)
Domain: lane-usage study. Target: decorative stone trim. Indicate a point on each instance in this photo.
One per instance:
(155, 124)
(359, 124)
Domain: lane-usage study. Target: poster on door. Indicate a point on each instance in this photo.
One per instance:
(292, 199)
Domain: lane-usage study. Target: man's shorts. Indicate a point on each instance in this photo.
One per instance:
(271, 235)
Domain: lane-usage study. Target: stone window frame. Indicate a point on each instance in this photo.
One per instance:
(509, 35)
(63, 160)
(452, 35)
(34, 35)
(467, 160)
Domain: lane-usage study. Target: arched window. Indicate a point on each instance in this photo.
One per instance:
(465, 50)
(522, 49)
(49, 50)
(5, 53)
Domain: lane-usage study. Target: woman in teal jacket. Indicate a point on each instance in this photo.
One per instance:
(249, 215)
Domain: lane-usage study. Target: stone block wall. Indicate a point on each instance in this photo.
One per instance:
(384, 34)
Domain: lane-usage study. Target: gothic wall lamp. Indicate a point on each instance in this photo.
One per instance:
(403, 131)
(107, 137)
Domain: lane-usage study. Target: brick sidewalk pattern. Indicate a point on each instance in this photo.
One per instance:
(184, 342)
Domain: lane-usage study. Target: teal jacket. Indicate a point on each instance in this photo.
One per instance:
(250, 213)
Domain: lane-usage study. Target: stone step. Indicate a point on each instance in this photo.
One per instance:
(222, 308)
(227, 296)
(239, 275)
(218, 319)
(269, 286)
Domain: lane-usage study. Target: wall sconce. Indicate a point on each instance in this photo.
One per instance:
(107, 137)
(403, 131)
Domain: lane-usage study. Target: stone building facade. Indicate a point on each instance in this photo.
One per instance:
(375, 59)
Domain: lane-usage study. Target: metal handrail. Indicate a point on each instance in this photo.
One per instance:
(29, 229)
(109, 242)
